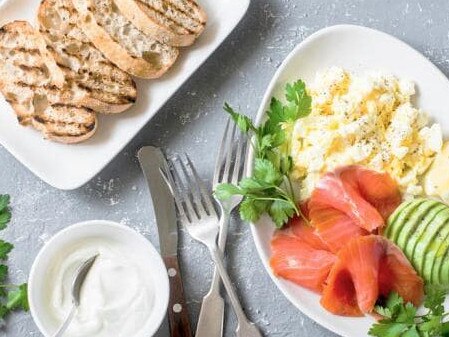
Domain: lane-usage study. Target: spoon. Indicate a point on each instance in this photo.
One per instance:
(77, 284)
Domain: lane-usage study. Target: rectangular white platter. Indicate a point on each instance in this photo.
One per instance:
(71, 166)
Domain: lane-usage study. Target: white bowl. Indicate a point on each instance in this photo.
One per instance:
(96, 229)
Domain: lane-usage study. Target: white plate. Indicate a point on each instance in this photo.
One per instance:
(70, 166)
(355, 48)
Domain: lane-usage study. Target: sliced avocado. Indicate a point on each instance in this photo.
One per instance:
(444, 269)
(400, 218)
(438, 255)
(416, 224)
(425, 242)
(439, 234)
(394, 216)
(421, 229)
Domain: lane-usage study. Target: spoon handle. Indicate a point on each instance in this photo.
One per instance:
(66, 323)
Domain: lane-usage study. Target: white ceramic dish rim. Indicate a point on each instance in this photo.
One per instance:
(163, 289)
(260, 116)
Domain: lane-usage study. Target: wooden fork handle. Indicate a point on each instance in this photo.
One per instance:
(178, 315)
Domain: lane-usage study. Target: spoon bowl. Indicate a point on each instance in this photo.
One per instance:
(77, 285)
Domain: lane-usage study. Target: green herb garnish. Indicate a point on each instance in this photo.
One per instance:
(269, 190)
(401, 319)
(12, 297)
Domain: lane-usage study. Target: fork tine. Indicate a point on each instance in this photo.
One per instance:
(184, 197)
(228, 162)
(193, 188)
(221, 155)
(210, 209)
(238, 158)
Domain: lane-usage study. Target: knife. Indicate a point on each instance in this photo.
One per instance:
(153, 163)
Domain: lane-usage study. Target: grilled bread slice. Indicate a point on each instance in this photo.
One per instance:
(121, 42)
(65, 123)
(36, 87)
(26, 68)
(108, 88)
(174, 22)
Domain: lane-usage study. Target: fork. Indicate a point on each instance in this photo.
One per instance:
(228, 169)
(197, 214)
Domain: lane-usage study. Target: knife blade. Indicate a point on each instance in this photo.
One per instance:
(153, 163)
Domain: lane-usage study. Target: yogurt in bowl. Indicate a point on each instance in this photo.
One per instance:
(125, 293)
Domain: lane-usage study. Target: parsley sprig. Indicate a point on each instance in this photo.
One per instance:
(12, 297)
(401, 319)
(269, 190)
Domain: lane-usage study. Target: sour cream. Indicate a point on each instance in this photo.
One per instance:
(117, 297)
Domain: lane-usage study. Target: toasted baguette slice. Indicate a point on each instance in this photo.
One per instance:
(108, 88)
(26, 68)
(174, 22)
(36, 88)
(121, 42)
(66, 123)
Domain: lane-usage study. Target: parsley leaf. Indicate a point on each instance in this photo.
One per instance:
(243, 122)
(401, 318)
(392, 306)
(281, 210)
(435, 300)
(12, 297)
(4, 202)
(5, 217)
(265, 171)
(18, 298)
(388, 330)
(225, 191)
(5, 214)
(411, 332)
(5, 249)
(3, 273)
(3, 313)
(250, 209)
(300, 102)
(269, 190)
(445, 329)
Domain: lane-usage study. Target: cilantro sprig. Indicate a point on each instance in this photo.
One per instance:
(12, 297)
(401, 319)
(269, 190)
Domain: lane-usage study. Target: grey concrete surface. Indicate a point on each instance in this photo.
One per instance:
(192, 121)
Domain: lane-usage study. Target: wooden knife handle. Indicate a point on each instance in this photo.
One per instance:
(178, 315)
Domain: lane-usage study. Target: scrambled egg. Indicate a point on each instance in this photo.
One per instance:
(367, 120)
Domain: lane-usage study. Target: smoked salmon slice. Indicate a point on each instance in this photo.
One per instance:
(306, 232)
(295, 260)
(352, 201)
(367, 268)
(299, 255)
(379, 189)
(335, 228)
(334, 192)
